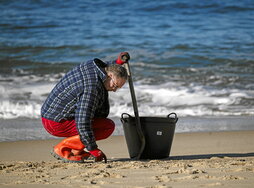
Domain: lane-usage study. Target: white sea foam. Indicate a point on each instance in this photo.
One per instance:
(23, 97)
(162, 99)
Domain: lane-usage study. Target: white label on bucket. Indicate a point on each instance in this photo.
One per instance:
(159, 133)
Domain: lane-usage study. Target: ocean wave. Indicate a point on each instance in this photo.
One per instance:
(151, 102)
(157, 100)
(21, 95)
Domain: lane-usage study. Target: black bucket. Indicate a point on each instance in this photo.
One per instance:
(158, 132)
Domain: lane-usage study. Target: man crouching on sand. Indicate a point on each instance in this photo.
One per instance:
(78, 106)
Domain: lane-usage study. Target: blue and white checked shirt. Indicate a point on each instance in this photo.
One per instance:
(79, 95)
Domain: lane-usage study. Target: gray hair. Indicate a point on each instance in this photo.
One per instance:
(118, 70)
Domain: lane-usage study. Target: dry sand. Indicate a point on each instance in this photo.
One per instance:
(216, 159)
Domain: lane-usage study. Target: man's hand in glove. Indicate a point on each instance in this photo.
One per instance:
(123, 57)
(98, 155)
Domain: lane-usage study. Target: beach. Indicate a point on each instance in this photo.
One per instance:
(193, 58)
(202, 159)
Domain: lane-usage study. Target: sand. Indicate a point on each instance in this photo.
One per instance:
(211, 159)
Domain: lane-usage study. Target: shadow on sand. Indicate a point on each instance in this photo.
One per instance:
(194, 157)
(208, 156)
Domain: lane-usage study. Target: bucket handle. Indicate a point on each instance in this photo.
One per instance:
(175, 116)
(125, 114)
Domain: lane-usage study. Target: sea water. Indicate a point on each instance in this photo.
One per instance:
(194, 58)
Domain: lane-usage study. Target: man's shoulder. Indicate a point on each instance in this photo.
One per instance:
(94, 68)
(86, 64)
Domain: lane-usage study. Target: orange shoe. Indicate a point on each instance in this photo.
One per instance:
(83, 153)
(70, 150)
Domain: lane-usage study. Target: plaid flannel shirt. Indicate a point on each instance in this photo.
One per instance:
(79, 95)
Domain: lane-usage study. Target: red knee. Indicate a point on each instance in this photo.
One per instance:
(102, 128)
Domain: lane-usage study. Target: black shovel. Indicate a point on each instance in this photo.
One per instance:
(135, 107)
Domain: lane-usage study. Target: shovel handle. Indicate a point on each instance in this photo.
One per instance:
(135, 107)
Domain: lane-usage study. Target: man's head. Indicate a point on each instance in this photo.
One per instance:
(117, 76)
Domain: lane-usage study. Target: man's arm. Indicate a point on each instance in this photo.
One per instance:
(84, 114)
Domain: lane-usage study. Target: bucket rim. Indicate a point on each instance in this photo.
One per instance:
(175, 118)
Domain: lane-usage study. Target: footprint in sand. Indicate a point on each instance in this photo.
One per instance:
(188, 171)
(188, 177)
(231, 177)
(247, 169)
(113, 175)
(211, 184)
(163, 178)
(160, 186)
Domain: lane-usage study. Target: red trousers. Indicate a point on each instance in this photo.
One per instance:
(102, 127)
